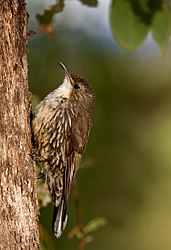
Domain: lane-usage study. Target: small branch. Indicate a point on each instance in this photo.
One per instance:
(81, 231)
(79, 212)
(79, 218)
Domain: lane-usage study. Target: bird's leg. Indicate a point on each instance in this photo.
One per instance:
(40, 176)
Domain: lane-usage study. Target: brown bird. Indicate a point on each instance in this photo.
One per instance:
(61, 125)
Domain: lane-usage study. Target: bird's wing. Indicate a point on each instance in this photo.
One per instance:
(79, 133)
(75, 144)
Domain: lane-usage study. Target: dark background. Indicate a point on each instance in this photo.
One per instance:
(125, 174)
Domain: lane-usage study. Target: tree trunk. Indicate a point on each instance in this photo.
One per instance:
(18, 198)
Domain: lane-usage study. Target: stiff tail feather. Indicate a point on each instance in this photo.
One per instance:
(60, 218)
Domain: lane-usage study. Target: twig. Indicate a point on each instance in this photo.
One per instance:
(79, 212)
(79, 217)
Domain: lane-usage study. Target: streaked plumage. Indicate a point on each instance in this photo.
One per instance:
(61, 124)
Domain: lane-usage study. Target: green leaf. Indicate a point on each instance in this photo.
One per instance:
(161, 29)
(94, 225)
(127, 27)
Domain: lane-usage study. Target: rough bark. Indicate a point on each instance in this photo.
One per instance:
(18, 198)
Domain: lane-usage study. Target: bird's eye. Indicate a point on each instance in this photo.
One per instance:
(76, 86)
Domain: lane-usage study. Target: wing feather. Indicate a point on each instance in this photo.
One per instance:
(76, 140)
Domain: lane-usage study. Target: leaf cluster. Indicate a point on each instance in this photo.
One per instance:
(131, 22)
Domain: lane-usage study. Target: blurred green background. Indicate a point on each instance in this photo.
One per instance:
(126, 170)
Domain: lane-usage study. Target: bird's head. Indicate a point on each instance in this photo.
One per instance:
(76, 88)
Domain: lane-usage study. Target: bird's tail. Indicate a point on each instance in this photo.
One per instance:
(59, 219)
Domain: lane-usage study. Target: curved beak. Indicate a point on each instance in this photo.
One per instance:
(67, 73)
(66, 86)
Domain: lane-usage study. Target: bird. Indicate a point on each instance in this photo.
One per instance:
(61, 125)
